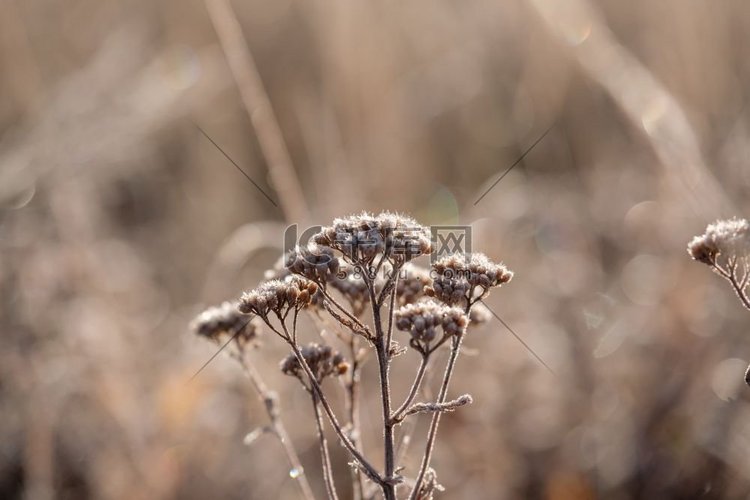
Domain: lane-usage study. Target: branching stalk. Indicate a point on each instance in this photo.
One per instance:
(366, 466)
(382, 351)
(432, 433)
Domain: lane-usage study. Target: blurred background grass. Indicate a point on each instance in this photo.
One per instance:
(119, 221)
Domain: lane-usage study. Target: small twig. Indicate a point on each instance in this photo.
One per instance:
(731, 277)
(432, 433)
(352, 399)
(739, 290)
(270, 403)
(324, 453)
(354, 320)
(355, 329)
(410, 426)
(439, 407)
(315, 386)
(398, 414)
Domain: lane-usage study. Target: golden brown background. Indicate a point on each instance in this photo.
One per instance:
(119, 221)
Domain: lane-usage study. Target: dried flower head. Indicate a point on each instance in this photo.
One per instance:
(362, 237)
(222, 322)
(411, 284)
(322, 360)
(281, 272)
(278, 296)
(726, 237)
(314, 262)
(459, 276)
(352, 287)
(423, 319)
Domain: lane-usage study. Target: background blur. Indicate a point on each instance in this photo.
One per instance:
(119, 221)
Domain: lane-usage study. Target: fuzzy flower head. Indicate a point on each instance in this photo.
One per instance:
(361, 238)
(723, 237)
(278, 296)
(411, 284)
(423, 320)
(322, 360)
(316, 263)
(225, 321)
(458, 277)
(352, 287)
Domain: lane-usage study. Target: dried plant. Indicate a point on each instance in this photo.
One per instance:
(725, 247)
(362, 264)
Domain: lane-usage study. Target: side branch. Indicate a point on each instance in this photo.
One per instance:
(270, 403)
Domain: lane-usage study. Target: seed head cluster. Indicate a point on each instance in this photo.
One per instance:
(278, 296)
(411, 284)
(353, 289)
(225, 320)
(726, 237)
(458, 275)
(314, 262)
(322, 360)
(363, 237)
(422, 320)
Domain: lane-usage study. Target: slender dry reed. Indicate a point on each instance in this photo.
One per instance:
(259, 109)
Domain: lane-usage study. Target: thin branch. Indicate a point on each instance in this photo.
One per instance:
(352, 401)
(439, 407)
(432, 433)
(739, 290)
(366, 466)
(409, 426)
(324, 453)
(389, 333)
(345, 322)
(271, 406)
(398, 415)
(341, 308)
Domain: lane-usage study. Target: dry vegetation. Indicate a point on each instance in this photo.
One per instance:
(120, 222)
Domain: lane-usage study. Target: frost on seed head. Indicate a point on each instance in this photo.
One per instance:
(458, 276)
(411, 284)
(363, 237)
(224, 321)
(323, 361)
(724, 237)
(423, 319)
(317, 263)
(278, 296)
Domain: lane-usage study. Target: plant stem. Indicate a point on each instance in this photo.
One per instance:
(278, 426)
(341, 308)
(732, 278)
(354, 423)
(366, 466)
(324, 454)
(382, 350)
(432, 433)
(398, 414)
(740, 292)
